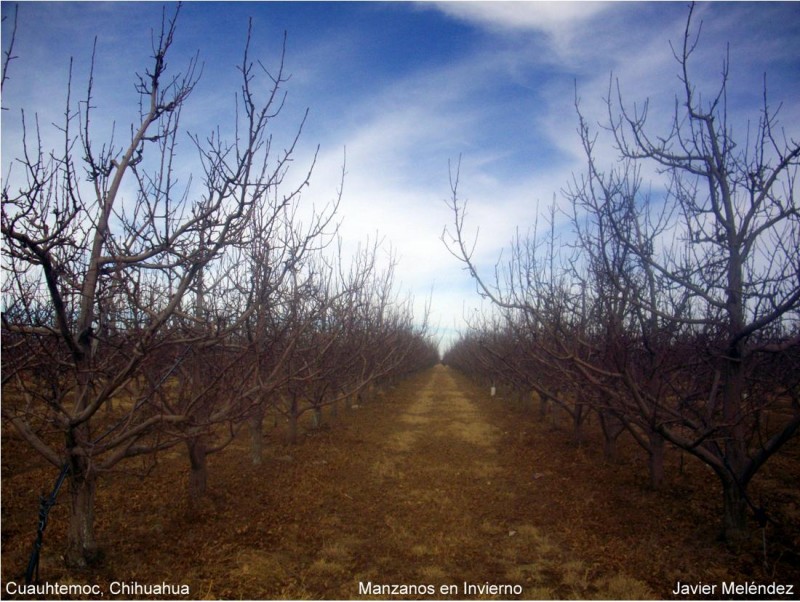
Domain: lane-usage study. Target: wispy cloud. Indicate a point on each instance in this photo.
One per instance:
(407, 87)
(547, 17)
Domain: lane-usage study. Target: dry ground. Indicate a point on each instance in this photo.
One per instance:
(433, 484)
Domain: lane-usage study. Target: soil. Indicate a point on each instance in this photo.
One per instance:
(433, 487)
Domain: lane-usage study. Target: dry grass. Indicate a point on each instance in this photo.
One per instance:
(433, 483)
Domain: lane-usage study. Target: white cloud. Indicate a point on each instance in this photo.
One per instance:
(562, 25)
(505, 103)
(547, 17)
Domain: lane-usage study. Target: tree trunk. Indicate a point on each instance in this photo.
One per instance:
(612, 428)
(543, 405)
(734, 511)
(198, 473)
(81, 546)
(656, 459)
(316, 418)
(609, 448)
(609, 444)
(291, 436)
(577, 422)
(255, 424)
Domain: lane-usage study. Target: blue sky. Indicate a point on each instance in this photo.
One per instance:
(406, 87)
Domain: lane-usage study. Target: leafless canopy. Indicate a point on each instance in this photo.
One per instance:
(675, 311)
(181, 301)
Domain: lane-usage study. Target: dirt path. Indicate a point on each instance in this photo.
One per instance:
(439, 469)
(415, 499)
(418, 494)
(433, 485)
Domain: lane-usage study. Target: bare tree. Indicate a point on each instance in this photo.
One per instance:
(356, 336)
(98, 288)
(673, 309)
(718, 264)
